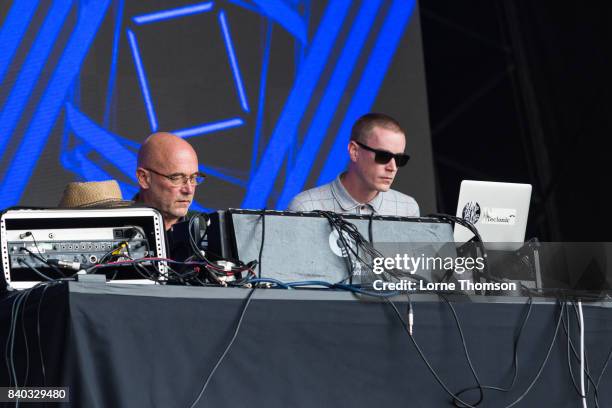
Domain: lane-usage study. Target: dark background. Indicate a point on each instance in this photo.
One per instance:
(519, 91)
(190, 83)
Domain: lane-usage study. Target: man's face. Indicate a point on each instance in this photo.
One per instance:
(375, 176)
(171, 200)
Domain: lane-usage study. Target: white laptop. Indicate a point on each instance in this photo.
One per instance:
(498, 210)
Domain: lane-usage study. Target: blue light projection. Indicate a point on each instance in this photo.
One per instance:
(174, 13)
(13, 29)
(371, 80)
(262, 181)
(211, 127)
(233, 61)
(34, 140)
(32, 68)
(142, 80)
(327, 107)
(287, 157)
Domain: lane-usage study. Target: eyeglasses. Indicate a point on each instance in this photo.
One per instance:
(182, 179)
(384, 157)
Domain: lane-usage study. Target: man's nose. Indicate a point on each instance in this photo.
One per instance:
(188, 188)
(391, 165)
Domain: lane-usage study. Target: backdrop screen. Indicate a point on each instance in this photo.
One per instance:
(265, 90)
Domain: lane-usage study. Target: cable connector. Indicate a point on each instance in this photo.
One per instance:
(226, 265)
(75, 266)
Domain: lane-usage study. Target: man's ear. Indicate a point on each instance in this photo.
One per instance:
(353, 151)
(143, 178)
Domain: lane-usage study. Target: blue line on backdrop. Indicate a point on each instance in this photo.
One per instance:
(23, 162)
(173, 13)
(329, 103)
(286, 17)
(229, 46)
(261, 104)
(33, 66)
(113, 67)
(371, 80)
(309, 74)
(103, 141)
(208, 128)
(12, 31)
(142, 80)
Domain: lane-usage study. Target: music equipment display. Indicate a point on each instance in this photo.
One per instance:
(52, 240)
(303, 246)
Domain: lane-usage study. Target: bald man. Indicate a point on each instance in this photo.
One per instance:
(167, 173)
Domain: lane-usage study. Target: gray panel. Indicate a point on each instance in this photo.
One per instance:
(305, 247)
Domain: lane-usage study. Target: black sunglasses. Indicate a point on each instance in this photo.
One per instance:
(384, 157)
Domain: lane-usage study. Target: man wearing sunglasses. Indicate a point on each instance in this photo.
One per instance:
(167, 173)
(376, 152)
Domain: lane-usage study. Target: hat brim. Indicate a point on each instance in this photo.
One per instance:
(108, 203)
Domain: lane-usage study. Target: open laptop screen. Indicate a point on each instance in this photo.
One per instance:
(498, 210)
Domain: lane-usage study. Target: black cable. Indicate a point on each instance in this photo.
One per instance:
(42, 360)
(227, 348)
(25, 337)
(41, 258)
(346, 229)
(570, 347)
(465, 350)
(211, 268)
(577, 357)
(44, 260)
(422, 355)
(517, 339)
(605, 366)
(477, 238)
(445, 387)
(370, 222)
(8, 340)
(261, 246)
(32, 268)
(535, 379)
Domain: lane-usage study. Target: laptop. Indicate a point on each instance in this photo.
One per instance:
(498, 211)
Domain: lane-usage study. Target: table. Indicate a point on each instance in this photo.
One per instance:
(119, 345)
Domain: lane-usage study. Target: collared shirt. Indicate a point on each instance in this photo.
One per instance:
(334, 197)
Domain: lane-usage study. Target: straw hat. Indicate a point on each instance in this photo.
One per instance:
(93, 194)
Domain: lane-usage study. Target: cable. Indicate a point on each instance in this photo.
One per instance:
(571, 348)
(584, 401)
(25, 337)
(261, 246)
(605, 366)
(431, 369)
(465, 350)
(535, 379)
(44, 260)
(32, 268)
(41, 258)
(445, 387)
(227, 348)
(347, 231)
(42, 360)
